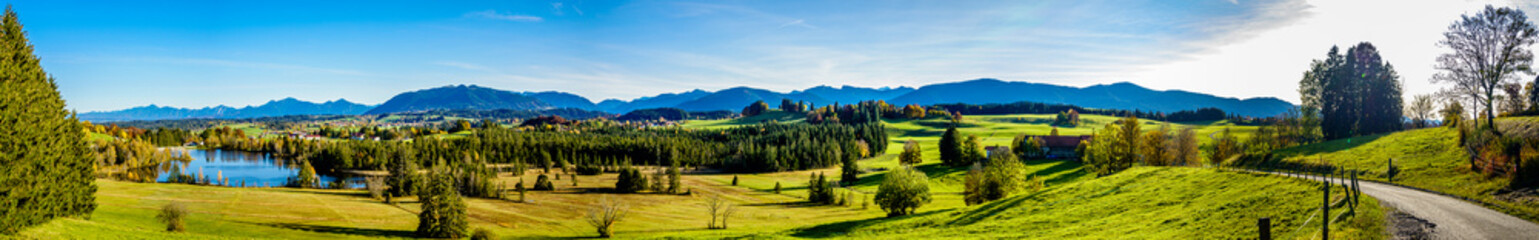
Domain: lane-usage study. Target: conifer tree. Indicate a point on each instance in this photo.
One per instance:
(951, 147)
(443, 210)
(45, 166)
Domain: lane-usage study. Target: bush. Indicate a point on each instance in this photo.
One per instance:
(543, 183)
(172, 215)
(589, 169)
(911, 155)
(777, 187)
(483, 234)
(734, 180)
(903, 191)
(1527, 173)
(604, 215)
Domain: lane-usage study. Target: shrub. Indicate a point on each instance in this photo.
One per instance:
(543, 183)
(604, 215)
(173, 215)
(777, 187)
(589, 169)
(1224, 147)
(734, 180)
(972, 191)
(903, 191)
(911, 155)
(483, 234)
(1527, 173)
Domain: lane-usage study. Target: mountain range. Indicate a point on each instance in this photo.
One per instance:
(1120, 95)
(283, 107)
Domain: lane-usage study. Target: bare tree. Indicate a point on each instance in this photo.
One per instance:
(604, 215)
(1420, 109)
(720, 210)
(1488, 49)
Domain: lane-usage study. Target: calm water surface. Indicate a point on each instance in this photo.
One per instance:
(248, 168)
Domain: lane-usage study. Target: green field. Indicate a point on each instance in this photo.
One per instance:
(1073, 205)
(1427, 158)
(1140, 203)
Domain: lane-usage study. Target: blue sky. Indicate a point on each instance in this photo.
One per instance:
(116, 54)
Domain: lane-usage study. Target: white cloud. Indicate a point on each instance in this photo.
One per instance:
(798, 23)
(493, 14)
(1271, 62)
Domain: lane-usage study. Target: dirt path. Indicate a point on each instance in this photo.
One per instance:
(1448, 218)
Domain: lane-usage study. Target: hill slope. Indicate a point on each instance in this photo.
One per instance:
(458, 97)
(563, 100)
(1428, 158)
(1114, 96)
(1142, 203)
(284, 107)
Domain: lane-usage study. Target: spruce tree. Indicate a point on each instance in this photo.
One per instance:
(45, 166)
(443, 210)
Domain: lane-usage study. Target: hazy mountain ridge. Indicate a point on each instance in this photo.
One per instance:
(1121, 95)
(283, 107)
(458, 97)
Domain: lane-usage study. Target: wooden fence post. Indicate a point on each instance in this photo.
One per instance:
(1266, 228)
(1325, 211)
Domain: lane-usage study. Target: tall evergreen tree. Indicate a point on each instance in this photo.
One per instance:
(951, 147)
(443, 210)
(45, 166)
(1355, 94)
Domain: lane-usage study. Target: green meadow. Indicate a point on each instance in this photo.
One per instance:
(1144, 202)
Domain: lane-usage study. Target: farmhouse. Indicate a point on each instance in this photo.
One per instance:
(1062, 146)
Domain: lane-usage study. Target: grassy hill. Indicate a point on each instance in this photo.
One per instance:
(1427, 158)
(1141, 203)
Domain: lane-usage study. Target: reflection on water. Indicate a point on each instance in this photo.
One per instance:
(235, 168)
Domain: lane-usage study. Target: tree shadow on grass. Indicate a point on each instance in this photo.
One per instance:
(1326, 147)
(791, 204)
(342, 230)
(841, 229)
(931, 171)
(990, 209)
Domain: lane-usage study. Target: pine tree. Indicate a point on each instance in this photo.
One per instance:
(45, 165)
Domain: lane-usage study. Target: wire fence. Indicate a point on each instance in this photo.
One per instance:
(1329, 176)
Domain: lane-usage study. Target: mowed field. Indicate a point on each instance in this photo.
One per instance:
(1187, 201)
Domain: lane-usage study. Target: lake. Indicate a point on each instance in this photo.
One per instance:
(241, 168)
